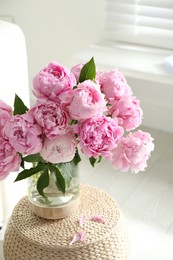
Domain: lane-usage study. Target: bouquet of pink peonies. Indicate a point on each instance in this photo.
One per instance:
(82, 108)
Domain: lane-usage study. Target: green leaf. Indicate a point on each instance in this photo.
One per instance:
(60, 181)
(19, 106)
(29, 172)
(92, 161)
(76, 158)
(88, 71)
(33, 158)
(73, 122)
(99, 159)
(43, 182)
(66, 170)
(22, 164)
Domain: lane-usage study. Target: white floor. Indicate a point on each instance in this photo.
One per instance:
(146, 199)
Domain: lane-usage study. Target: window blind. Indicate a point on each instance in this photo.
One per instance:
(145, 22)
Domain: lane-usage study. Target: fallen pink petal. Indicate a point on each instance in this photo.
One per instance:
(80, 236)
(83, 236)
(82, 220)
(76, 237)
(98, 218)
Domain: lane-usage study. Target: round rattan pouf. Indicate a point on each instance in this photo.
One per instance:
(29, 237)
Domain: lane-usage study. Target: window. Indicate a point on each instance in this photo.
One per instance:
(142, 22)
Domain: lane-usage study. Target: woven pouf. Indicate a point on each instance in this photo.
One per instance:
(29, 237)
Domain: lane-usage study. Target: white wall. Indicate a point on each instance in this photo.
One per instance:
(55, 29)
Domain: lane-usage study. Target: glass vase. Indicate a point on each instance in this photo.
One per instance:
(56, 204)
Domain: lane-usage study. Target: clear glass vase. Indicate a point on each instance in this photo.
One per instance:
(56, 204)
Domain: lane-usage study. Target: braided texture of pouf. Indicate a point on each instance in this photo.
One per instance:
(29, 237)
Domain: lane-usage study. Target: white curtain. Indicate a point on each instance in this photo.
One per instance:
(145, 22)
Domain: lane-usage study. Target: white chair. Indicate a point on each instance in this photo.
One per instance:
(13, 79)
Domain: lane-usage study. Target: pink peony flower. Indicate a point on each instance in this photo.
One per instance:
(5, 112)
(23, 134)
(114, 85)
(51, 117)
(128, 112)
(76, 70)
(133, 152)
(87, 101)
(54, 82)
(60, 149)
(98, 136)
(9, 159)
